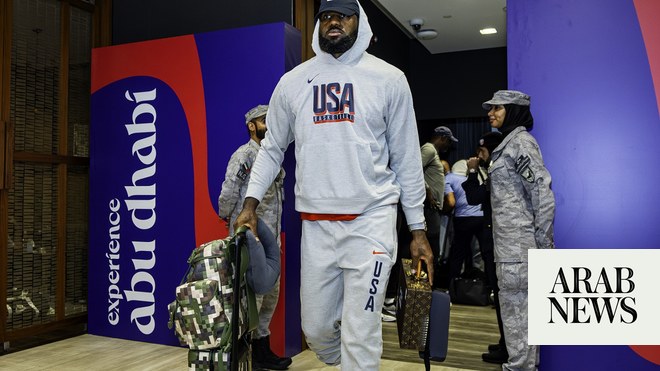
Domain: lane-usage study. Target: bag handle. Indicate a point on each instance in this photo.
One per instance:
(418, 274)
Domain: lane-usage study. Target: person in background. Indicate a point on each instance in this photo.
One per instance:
(434, 183)
(467, 219)
(352, 120)
(478, 193)
(523, 216)
(230, 204)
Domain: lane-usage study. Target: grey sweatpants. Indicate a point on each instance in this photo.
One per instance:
(344, 271)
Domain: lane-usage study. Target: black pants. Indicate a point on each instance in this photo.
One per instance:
(486, 246)
(465, 228)
(488, 256)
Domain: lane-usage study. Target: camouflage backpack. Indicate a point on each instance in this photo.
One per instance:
(204, 305)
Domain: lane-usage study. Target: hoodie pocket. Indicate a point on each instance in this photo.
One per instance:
(336, 170)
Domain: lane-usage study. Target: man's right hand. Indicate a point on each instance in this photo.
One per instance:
(248, 216)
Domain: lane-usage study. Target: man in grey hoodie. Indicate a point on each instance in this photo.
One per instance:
(357, 151)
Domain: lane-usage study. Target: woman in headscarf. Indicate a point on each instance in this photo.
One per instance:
(523, 215)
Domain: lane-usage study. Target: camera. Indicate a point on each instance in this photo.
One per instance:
(416, 23)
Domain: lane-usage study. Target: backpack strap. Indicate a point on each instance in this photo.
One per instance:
(239, 238)
(237, 242)
(237, 245)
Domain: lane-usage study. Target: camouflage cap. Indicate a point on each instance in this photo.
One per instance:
(256, 112)
(502, 97)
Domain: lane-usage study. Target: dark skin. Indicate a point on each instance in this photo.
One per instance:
(441, 144)
(335, 26)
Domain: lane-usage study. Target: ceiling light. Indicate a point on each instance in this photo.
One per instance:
(427, 34)
(487, 31)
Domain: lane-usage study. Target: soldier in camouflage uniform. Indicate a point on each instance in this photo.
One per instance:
(230, 204)
(523, 213)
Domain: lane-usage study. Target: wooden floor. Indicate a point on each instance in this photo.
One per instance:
(471, 329)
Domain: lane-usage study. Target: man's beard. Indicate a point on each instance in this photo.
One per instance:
(261, 133)
(337, 46)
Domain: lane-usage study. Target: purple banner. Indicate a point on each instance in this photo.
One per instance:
(585, 65)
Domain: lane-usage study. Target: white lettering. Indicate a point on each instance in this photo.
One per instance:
(141, 203)
(114, 293)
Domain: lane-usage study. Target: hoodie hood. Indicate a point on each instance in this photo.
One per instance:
(352, 55)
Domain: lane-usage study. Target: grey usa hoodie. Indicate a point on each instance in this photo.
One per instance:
(355, 134)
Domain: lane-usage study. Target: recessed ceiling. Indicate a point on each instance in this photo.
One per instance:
(457, 22)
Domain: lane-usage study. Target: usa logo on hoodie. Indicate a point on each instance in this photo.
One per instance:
(333, 103)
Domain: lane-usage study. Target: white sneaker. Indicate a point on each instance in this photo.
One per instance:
(387, 317)
(389, 306)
